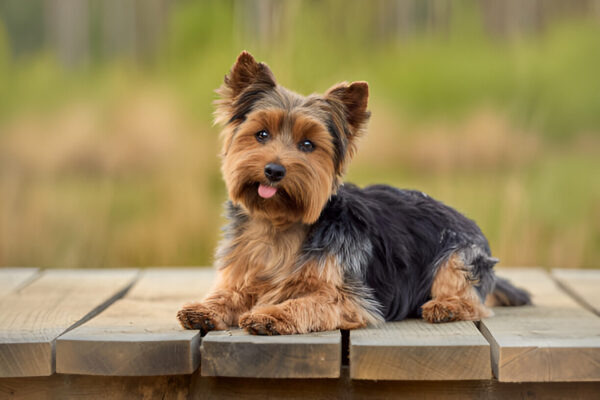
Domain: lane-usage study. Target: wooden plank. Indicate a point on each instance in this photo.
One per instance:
(12, 279)
(194, 386)
(582, 284)
(235, 353)
(182, 387)
(34, 317)
(139, 335)
(417, 350)
(555, 340)
(84, 387)
(180, 284)
(206, 388)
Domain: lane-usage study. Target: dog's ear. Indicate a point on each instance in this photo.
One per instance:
(354, 98)
(247, 71)
(244, 74)
(349, 115)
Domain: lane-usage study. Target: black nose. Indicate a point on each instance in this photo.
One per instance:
(274, 172)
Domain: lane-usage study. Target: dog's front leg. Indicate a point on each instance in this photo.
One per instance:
(318, 311)
(313, 300)
(314, 312)
(219, 310)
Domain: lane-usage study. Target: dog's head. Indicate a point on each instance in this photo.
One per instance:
(284, 154)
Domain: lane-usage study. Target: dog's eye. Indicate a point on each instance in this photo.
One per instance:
(306, 146)
(262, 136)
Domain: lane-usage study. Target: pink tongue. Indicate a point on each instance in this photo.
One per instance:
(266, 191)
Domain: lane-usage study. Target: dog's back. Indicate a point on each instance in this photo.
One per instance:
(403, 244)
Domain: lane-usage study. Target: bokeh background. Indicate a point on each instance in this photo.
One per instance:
(108, 155)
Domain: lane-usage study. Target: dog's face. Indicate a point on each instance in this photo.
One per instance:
(284, 154)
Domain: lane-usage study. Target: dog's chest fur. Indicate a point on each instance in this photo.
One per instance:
(258, 258)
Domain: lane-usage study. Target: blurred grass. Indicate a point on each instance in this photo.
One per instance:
(115, 163)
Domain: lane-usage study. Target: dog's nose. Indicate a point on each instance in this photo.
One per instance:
(274, 172)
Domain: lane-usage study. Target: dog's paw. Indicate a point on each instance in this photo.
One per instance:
(201, 317)
(436, 311)
(265, 324)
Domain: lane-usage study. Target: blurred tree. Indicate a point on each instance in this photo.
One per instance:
(399, 19)
(133, 28)
(508, 18)
(81, 30)
(24, 23)
(68, 30)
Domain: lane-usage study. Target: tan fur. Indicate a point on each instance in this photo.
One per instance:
(308, 301)
(453, 296)
(261, 289)
(246, 159)
(496, 299)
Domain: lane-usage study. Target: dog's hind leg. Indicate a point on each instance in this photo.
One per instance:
(459, 285)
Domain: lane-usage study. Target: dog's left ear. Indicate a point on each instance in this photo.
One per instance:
(354, 98)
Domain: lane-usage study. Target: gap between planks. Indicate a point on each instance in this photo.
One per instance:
(554, 340)
(582, 285)
(417, 350)
(139, 335)
(13, 279)
(58, 300)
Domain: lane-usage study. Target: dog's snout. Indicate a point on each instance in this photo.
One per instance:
(274, 172)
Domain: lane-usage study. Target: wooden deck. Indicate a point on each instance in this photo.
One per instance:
(113, 334)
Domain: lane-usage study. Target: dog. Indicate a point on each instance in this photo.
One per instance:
(304, 252)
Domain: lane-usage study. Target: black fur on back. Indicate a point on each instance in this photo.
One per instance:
(390, 242)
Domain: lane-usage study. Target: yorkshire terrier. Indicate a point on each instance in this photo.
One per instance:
(304, 252)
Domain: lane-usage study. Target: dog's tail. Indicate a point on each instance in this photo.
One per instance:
(505, 294)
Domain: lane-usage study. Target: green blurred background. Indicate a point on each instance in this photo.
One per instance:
(108, 155)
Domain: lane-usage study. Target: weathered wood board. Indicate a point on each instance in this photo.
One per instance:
(12, 279)
(183, 387)
(180, 284)
(582, 284)
(235, 353)
(139, 335)
(84, 387)
(417, 350)
(207, 388)
(555, 340)
(32, 318)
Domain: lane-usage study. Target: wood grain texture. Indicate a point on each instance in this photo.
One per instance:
(417, 350)
(180, 284)
(12, 279)
(555, 340)
(581, 284)
(139, 335)
(32, 318)
(181, 387)
(235, 353)
(205, 388)
(61, 387)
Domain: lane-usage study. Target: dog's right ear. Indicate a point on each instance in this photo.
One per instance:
(235, 101)
(245, 72)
